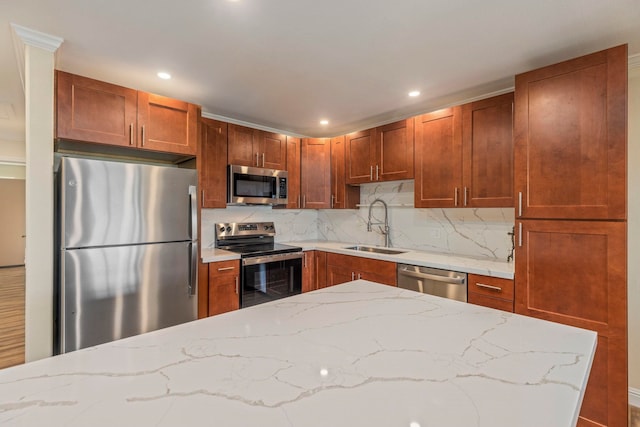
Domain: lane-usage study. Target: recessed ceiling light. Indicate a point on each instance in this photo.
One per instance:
(414, 93)
(324, 372)
(414, 424)
(324, 122)
(164, 76)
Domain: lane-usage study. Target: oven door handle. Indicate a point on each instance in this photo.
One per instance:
(271, 258)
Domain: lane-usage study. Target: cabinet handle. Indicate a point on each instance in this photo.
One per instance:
(455, 197)
(371, 173)
(304, 201)
(304, 259)
(299, 206)
(262, 159)
(202, 201)
(332, 199)
(493, 288)
(520, 234)
(237, 286)
(131, 134)
(142, 135)
(353, 276)
(359, 276)
(226, 268)
(519, 203)
(257, 159)
(465, 196)
(377, 173)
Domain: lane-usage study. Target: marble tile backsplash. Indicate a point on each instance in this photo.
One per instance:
(480, 232)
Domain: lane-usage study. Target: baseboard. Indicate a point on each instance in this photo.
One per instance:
(634, 397)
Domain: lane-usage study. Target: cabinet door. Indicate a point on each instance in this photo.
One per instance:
(570, 138)
(376, 271)
(272, 150)
(308, 271)
(293, 169)
(243, 144)
(394, 151)
(94, 111)
(360, 157)
(166, 124)
(343, 196)
(337, 274)
(438, 159)
(203, 289)
(224, 285)
(487, 152)
(574, 272)
(316, 173)
(320, 269)
(212, 164)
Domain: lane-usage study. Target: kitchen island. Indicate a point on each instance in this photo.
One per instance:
(356, 354)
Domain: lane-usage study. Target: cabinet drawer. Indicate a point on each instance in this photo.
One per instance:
(485, 301)
(224, 268)
(493, 287)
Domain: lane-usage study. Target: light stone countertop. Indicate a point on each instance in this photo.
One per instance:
(356, 354)
(459, 263)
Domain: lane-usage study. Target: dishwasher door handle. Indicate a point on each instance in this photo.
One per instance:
(435, 278)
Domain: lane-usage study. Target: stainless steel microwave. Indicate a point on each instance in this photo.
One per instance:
(256, 186)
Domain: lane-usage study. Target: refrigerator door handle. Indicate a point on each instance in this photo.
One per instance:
(193, 234)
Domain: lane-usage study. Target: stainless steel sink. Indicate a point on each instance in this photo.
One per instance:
(375, 250)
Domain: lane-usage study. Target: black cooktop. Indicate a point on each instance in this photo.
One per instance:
(261, 249)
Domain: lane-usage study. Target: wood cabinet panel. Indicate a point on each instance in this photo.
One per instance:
(241, 146)
(316, 173)
(494, 287)
(95, 111)
(574, 272)
(395, 151)
(167, 124)
(293, 168)
(203, 289)
(343, 196)
(272, 150)
(344, 268)
(224, 282)
(359, 156)
(487, 152)
(320, 269)
(212, 164)
(438, 150)
(308, 271)
(491, 302)
(570, 138)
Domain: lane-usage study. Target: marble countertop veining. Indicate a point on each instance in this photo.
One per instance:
(356, 354)
(453, 262)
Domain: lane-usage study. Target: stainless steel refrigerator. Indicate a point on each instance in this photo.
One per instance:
(127, 250)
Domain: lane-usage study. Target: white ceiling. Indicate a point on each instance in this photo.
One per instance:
(285, 64)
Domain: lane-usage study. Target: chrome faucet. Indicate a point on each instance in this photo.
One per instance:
(384, 231)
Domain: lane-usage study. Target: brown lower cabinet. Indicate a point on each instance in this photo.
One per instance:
(224, 282)
(345, 268)
(492, 292)
(574, 272)
(314, 270)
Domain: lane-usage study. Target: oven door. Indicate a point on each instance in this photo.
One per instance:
(271, 277)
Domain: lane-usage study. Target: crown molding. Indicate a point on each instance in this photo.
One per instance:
(249, 124)
(634, 61)
(36, 38)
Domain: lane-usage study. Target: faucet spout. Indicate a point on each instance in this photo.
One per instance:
(385, 230)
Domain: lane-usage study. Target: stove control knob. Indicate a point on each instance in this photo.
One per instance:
(266, 227)
(228, 229)
(271, 227)
(222, 229)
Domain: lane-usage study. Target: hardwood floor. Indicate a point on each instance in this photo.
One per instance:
(634, 416)
(11, 316)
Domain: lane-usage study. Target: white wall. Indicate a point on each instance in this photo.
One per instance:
(634, 228)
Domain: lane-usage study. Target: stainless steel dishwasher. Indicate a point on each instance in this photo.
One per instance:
(433, 281)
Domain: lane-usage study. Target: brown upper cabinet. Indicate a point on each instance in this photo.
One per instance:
(315, 167)
(212, 164)
(343, 196)
(464, 155)
(487, 152)
(570, 138)
(253, 147)
(93, 111)
(384, 153)
(438, 159)
(294, 150)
